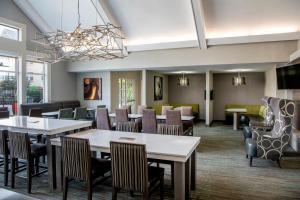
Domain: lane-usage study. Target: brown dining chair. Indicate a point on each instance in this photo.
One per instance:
(21, 148)
(35, 112)
(127, 127)
(149, 122)
(130, 170)
(122, 115)
(102, 119)
(4, 152)
(165, 108)
(78, 164)
(128, 108)
(173, 117)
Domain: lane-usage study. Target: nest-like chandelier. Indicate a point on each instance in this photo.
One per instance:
(183, 81)
(96, 42)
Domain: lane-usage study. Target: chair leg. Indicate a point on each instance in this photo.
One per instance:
(162, 187)
(5, 170)
(114, 193)
(90, 190)
(37, 162)
(246, 155)
(29, 175)
(65, 188)
(251, 158)
(13, 166)
(278, 162)
(172, 175)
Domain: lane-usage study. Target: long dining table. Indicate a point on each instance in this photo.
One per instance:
(50, 128)
(158, 117)
(179, 149)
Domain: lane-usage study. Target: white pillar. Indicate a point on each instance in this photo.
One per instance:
(208, 102)
(21, 87)
(144, 88)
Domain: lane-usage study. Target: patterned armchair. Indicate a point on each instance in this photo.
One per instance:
(270, 145)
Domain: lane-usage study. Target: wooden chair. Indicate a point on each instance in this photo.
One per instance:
(102, 119)
(137, 177)
(5, 153)
(80, 113)
(35, 112)
(127, 127)
(21, 148)
(78, 164)
(149, 122)
(122, 115)
(66, 113)
(128, 108)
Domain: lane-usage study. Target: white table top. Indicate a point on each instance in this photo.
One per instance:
(158, 117)
(43, 125)
(237, 110)
(165, 147)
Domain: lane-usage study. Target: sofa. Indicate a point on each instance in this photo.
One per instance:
(195, 108)
(255, 112)
(48, 107)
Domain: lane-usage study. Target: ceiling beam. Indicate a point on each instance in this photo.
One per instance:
(254, 38)
(198, 12)
(33, 15)
(106, 14)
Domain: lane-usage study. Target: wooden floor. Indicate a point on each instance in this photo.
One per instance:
(223, 172)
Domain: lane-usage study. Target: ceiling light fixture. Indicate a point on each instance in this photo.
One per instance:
(183, 81)
(96, 42)
(238, 80)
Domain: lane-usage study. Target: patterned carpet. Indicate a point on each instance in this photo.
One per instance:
(223, 172)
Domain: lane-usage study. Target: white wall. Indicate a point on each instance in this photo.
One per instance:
(63, 83)
(106, 93)
(150, 89)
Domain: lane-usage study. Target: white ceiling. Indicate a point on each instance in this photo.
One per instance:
(163, 24)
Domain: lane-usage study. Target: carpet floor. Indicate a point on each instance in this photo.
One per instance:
(223, 172)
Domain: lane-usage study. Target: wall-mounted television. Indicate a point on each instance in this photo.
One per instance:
(288, 77)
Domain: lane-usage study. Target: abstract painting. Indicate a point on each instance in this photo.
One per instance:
(158, 88)
(92, 88)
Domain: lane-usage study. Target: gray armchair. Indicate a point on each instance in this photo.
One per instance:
(271, 145)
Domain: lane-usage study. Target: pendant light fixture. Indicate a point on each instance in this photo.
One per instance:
(183, 81)
(238, 80)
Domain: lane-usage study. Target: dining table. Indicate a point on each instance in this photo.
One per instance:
(48, 127)
(158, 117)
(54, 114)
(236, 112)
(179, 149)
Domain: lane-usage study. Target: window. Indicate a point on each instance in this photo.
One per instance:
(8, 84)
(9, 32)
(35, 74)
(126, 92)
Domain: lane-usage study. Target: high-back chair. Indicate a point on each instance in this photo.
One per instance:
(134, 177)
(122, 123)
(4, 152)
(165, 108)
(149, 122)
(80, 113)
(66, 113)
(21, 148)
(103, 120)
(35, 112)
(79, 165)
(122, 115)
(271, 145)
(128, 108)
(173, 117)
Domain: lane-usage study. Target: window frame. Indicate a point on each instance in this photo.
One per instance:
(12, 27)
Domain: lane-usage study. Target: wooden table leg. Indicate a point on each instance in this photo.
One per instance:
(179, 180)
(59, 173)
(187, 179)
(51, 164)
(193, 170)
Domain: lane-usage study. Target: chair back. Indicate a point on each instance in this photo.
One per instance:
(3, 109)
(4, 114)
(35, 112)
(149, 123)
(121, 115)
(186, 111)
(3, 142)
(80, 113)
(19, 145)
(76, 157)
(165, 108)
(66, 113)
(127, 107)
(173, 117)
(127, 127)
(129, 166)
(141, 108)
(166, 129)
(103, 121)
(101, 106)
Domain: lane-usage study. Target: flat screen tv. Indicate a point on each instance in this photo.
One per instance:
(288, 77)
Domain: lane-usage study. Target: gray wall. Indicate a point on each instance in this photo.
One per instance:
(193, 94)
(226, 93)
(63, 83)
(150, 88)
(105, 89)
(10, 11)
